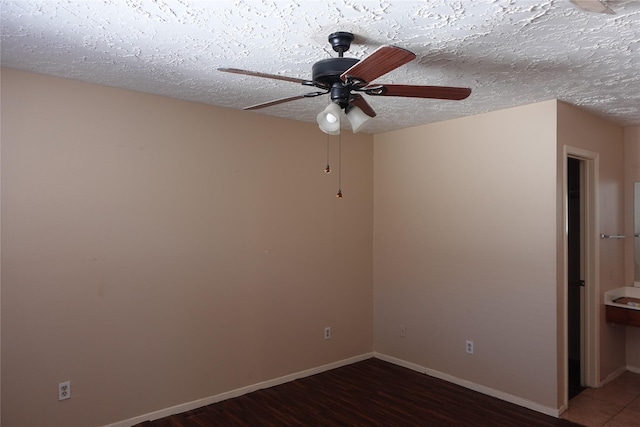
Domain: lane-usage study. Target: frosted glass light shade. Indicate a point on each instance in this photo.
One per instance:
(357, 118)
(329, 119)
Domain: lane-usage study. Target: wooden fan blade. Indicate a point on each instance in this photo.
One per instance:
(410, 91)
(264, 75)
(283, 100)
(276, 102)
(359, 101)
(380, 62)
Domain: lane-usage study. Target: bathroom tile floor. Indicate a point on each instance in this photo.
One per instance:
(616, 404)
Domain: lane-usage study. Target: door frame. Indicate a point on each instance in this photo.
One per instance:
(590, 327)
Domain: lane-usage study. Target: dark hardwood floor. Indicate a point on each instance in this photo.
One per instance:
(368, 393)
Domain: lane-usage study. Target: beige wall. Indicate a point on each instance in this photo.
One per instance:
(156, 251)
(632, 174)
(580, 129)
(467, 234)
(465, 248)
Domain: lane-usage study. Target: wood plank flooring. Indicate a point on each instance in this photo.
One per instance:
(368, 393)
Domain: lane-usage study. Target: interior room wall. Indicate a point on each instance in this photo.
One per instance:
(632, 175)
(465, 249)
(579, 128)
(156, 251)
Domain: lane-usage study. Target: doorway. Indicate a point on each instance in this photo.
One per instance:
(575, 275)
(581, 271)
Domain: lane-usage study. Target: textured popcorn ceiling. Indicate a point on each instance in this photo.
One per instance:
(510, 52)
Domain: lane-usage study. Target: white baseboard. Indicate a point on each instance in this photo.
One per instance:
(183, 407)
(615, 374)
(472, 386)
(400, 362)
(302, 374)
(633, 369)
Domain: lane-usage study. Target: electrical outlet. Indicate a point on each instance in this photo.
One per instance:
(469, 347)
(403, 330)
(327, 332)
(64, 390)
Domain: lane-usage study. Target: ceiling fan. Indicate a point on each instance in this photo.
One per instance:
(345, 79)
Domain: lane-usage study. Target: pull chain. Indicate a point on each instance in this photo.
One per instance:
(327, 170)
(339, 195)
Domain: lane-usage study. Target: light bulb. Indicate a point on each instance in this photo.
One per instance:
(327, 169)
(339, 195)
(331, 118)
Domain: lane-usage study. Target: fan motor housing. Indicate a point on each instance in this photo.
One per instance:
(327, 71)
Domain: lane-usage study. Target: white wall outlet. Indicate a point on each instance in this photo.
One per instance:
(469, 347)
(64, 390)
(327, 332)
(403, 330)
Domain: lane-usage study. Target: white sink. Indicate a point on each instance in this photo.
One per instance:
(625, 291)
